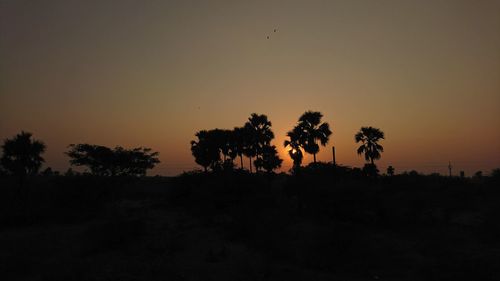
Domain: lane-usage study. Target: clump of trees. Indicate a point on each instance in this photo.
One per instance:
(22, 156)
(214, 149)
(217, 148)
(104, 161)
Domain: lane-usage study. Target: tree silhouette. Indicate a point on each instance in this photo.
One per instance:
(206, 150)
(95, 157)
(223, 140)
(22, 155)
(269, 159)
(104, 161)
(390, 171)
(295, 150)
(369, 137)
(250, 148)
(239, 143)
(259, 135)
(311, 130)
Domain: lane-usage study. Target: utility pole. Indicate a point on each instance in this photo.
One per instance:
(333, 153)
(449, 167)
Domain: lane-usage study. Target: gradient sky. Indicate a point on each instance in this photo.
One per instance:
(152, 73)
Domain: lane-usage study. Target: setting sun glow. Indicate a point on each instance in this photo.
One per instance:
(126, 73)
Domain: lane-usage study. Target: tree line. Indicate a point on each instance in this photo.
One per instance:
(214, 150)
(217, 149)
(22, 157)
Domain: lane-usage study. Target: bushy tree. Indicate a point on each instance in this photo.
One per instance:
(104, 161)
(269, 159)
(206, 149)
(22, 155)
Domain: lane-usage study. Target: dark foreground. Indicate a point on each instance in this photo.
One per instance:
(251, 227)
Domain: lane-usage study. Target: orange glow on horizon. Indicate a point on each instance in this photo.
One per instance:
(153, 75)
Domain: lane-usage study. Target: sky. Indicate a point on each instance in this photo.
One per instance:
(153, 73)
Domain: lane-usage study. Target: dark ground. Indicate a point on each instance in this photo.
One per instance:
(236, 226)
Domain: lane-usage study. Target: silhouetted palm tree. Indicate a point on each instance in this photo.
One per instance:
(369, 137)
(258, 128)
(250, 149)
(239, 143)
(311, 130)
(295, 150)
(22, 155)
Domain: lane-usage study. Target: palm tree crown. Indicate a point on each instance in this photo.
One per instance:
(369, 138)
(295, 150)
(311, 130)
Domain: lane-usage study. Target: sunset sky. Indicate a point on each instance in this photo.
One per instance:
(152, 73)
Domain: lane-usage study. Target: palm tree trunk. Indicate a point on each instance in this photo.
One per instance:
(250, 164)
(206, 170)
(371, 160)
(314, 155)
(241, 159)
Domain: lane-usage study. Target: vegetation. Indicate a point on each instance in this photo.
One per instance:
(22, 155)
(310, 130)
(242, 226)
(390, 171)
(104, 161)
(252, 140)
(205, 151)
(295, 147)
(325, 221)
(369, 138)
(240, 143)
(269, 159)
(260, 136)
